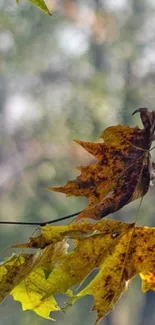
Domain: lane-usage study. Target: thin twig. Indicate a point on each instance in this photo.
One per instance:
(38, 223)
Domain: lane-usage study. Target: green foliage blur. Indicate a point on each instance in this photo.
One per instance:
(63, 77)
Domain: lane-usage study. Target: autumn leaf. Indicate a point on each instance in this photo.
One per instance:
(44, 280)
(122, 172)
(26, 278)
(12, 272)
(120, 251)
(133, 253)
(109, 283)
(53, 234)
(31, 290)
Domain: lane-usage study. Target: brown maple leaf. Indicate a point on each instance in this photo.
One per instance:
(123, 171)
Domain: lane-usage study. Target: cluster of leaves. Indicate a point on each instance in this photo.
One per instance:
(120, 250)
(122, 173)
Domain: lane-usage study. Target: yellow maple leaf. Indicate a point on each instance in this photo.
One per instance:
(12, 272)
(120, 251)
(30, 291)
(26, 278)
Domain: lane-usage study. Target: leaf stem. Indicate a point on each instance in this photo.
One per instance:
(38, 223)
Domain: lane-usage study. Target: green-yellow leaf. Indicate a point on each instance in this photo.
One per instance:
(12, 272)
(30, 293)
(42, 5)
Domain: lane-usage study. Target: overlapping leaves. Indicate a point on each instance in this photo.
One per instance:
(120, 251)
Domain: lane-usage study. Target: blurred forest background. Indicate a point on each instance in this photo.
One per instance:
(63, 77)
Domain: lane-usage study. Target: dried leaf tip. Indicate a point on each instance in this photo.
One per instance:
(140, 110)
